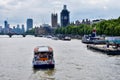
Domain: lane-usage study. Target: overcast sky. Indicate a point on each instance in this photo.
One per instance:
(17, 11)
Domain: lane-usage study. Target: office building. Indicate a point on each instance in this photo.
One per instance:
(6, 25)
(0, 29)
(23, 28)
(29, 24)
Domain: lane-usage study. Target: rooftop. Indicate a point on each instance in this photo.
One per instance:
(43, 49)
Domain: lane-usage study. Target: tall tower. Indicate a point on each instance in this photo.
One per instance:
(64, 15)
(54, 20)
(23, 28)
(6, 24)
(29, 24)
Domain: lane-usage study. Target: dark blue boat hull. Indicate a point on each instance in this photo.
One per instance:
(44, 66)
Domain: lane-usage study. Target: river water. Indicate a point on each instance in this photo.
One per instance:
(73, 61)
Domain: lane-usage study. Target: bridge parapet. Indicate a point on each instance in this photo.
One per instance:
(10, 35)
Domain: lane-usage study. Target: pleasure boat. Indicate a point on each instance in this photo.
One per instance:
(43, 57)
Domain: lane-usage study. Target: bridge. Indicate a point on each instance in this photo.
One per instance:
(12, 34)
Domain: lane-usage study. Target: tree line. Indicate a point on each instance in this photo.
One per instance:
(106, 27)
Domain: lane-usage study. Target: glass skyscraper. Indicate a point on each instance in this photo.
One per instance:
(6, 24)
(29, 24)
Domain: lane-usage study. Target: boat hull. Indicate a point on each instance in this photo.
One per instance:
(44, 66)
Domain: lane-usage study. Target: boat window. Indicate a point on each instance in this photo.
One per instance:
(43, 54)
(50, 52)
(36, 53)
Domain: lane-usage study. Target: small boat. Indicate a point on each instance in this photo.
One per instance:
(67, 38)
(43, 57)
(93, 40)
(54, 38)
(87, 39)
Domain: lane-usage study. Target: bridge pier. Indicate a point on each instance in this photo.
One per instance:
(23, 35)
(10, 35)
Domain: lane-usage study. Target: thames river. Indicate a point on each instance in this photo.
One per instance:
(73, 61)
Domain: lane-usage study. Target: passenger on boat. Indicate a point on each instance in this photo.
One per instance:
(50, 56)
(36, 56)
(45, 55)
(107, 45)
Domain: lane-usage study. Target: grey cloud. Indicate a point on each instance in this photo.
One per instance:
(2, 7)
(40, 10)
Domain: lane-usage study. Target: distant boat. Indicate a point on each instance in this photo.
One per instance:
(43, 57)
(55, 38)
(93, 40)
(67, 38)
(90, 38)
(86, 39)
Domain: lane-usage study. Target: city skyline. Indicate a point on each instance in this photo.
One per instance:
(17, 11)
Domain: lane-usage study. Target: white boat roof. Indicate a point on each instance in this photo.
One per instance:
(43, 49)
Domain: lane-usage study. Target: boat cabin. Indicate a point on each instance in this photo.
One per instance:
(43, 57)
(43, 53)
